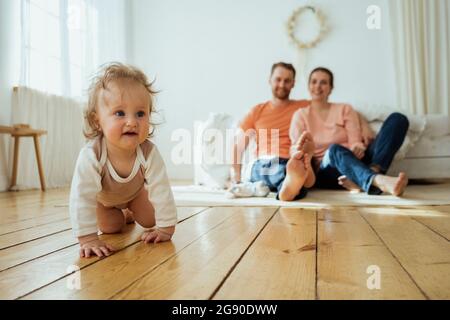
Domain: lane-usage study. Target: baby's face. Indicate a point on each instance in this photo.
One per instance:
(123, 114)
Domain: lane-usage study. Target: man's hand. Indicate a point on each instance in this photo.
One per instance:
(236, 174)
(240, 145)
(158, 235)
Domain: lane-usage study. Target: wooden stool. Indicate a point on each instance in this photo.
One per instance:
(23, 130)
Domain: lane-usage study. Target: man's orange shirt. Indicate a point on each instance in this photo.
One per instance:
(271, 125)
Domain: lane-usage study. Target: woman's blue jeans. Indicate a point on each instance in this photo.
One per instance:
(339, 160)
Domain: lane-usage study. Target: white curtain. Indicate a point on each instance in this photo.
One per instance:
(421, 41)
(65, 41)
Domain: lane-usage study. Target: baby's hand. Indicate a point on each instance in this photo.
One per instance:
(96, 247)
(157, 235)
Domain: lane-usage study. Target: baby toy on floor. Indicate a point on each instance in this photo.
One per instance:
(248, 189)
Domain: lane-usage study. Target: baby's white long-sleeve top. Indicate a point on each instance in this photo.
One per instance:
(89, 180)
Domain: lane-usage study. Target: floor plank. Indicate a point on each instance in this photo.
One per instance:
(108, 276)
(198, 270)
(17, 215)
(27, 251)
(435, 211)
(424, 254)
(11, 200)
(33, 222)
(437, 218)
(37, 273)
(22, 236)
(439, 224)
(281, 264)
(230, 253)
(184, 213)
(347, 248)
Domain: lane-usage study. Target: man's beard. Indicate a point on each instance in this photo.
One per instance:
(281, 94)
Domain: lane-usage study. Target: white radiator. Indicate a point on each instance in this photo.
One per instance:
(63, 120)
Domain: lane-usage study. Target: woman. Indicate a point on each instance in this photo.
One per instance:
(341, 157)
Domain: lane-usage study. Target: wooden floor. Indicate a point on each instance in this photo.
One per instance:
(230, 253)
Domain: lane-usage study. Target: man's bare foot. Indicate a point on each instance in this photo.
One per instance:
(306, 143)
(129, 216)
(296, 174)
(392, 185)
(348, 184)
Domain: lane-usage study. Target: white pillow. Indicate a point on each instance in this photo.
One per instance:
(438, 125)
(212, 142)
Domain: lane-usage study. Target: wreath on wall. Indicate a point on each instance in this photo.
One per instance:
(292, 24)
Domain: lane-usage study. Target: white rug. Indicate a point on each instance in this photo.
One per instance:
(415, 195)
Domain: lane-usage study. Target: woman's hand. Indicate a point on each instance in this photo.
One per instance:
(158, 235)
(305, 143)
(358, 150)
(367, 134)
(95, 247)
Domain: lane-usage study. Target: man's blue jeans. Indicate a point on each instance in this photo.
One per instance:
(273, 172)
(339, 160)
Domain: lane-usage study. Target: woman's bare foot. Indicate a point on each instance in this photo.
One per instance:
(296, 174)
(348, 184)
(129, 216)
(392, 185)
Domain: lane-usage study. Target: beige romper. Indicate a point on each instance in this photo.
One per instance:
(117, 191)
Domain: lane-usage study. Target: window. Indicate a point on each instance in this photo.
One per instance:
(58, 45)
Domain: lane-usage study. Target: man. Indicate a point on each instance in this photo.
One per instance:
(269, 122)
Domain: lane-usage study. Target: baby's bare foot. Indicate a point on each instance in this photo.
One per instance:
(296, 174)
(393, 185)
(129, 216)
(348, 184)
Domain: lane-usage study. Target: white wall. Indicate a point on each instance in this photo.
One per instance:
(215, 56)
(9, 74)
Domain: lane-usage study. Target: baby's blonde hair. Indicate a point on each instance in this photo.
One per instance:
(108, 73)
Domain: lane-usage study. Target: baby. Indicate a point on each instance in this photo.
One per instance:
(120, 176)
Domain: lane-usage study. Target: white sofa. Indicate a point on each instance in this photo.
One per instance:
(425, 153)
(428, 158)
